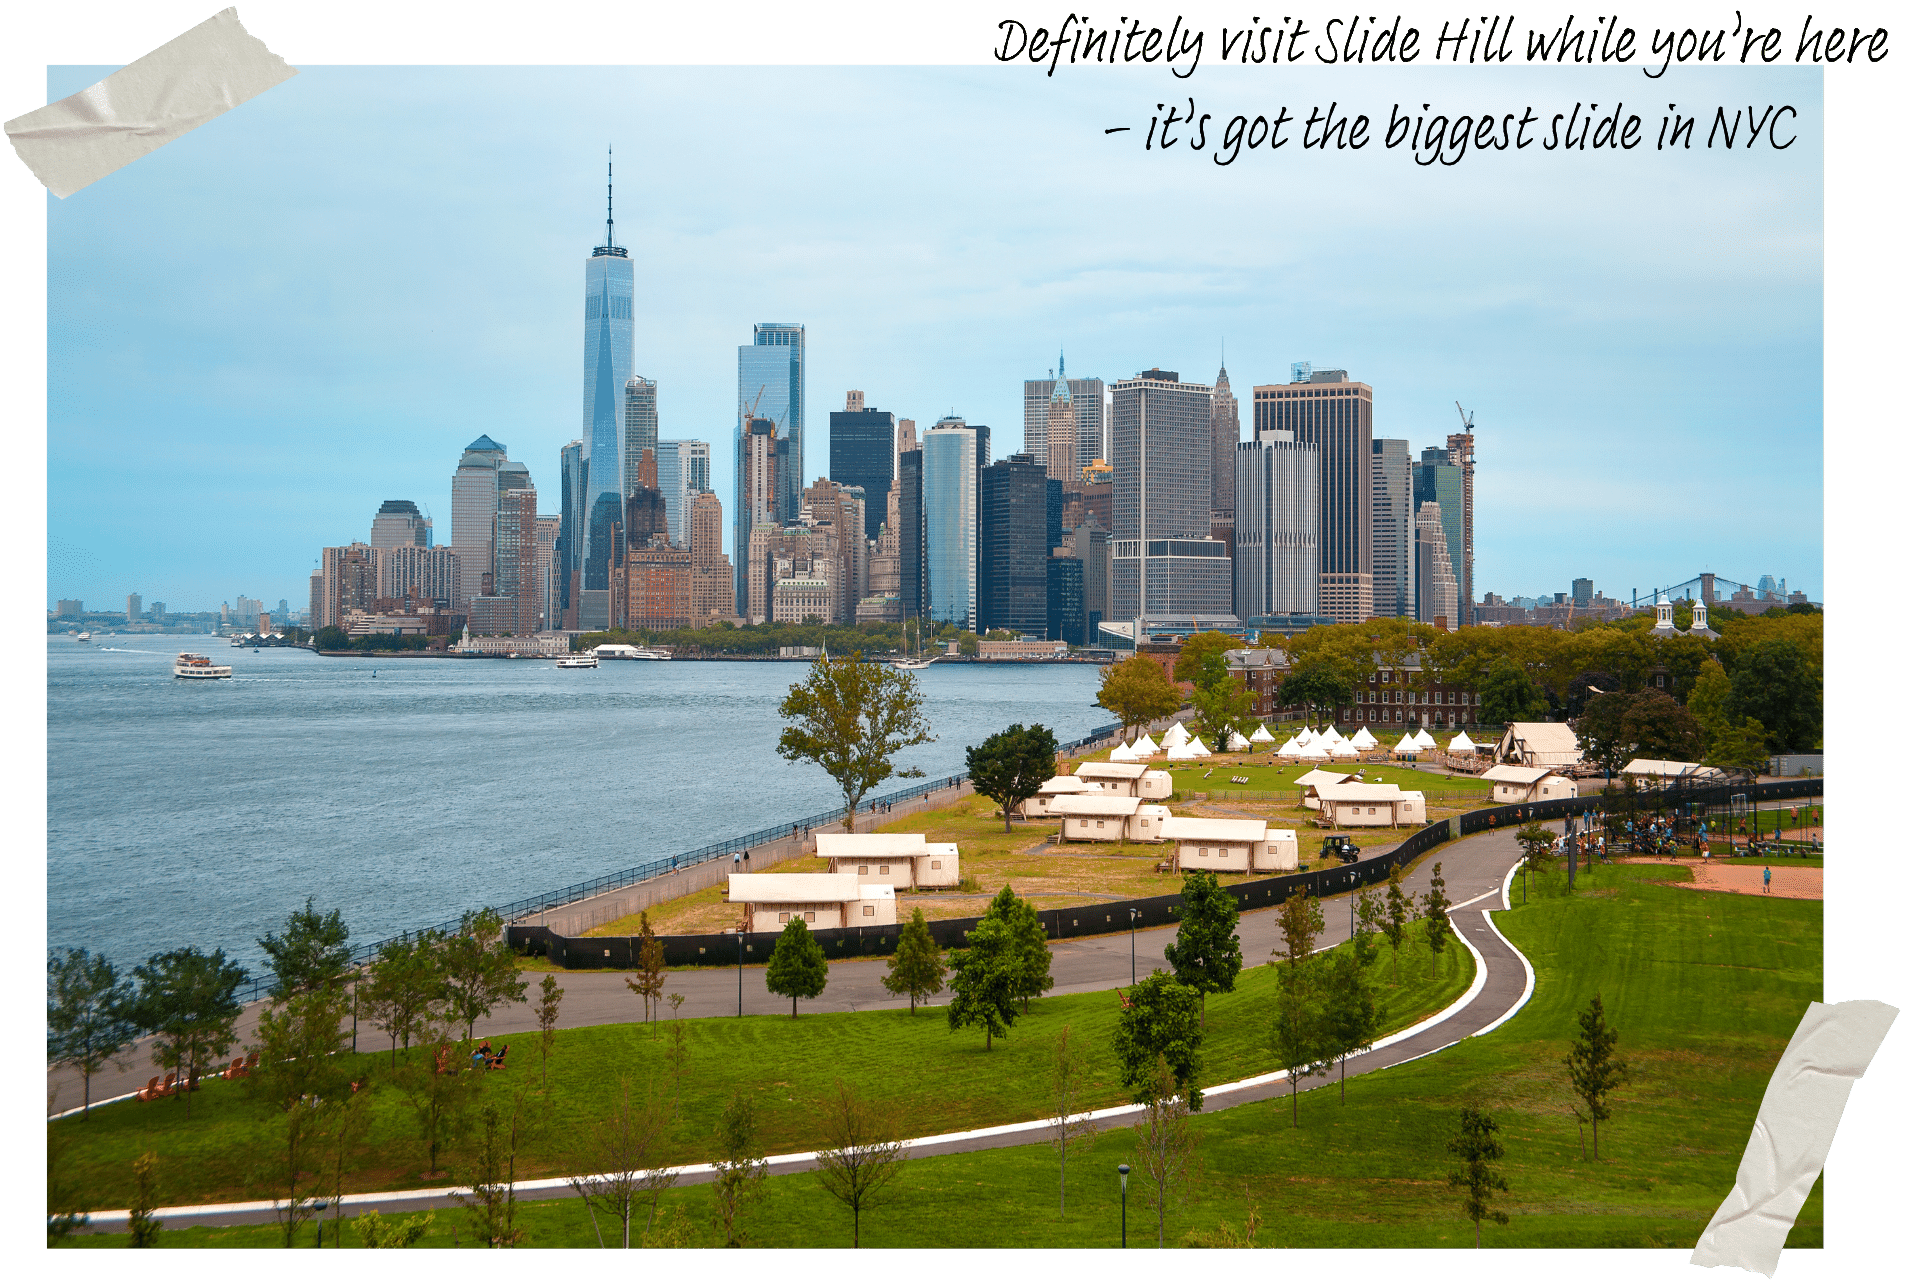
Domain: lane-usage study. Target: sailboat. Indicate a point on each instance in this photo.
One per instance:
(914, 662)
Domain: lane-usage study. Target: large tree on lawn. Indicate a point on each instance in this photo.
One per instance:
(1138, 691)
(850, 718)
(1011, 766)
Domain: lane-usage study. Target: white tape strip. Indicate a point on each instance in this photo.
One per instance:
(1798, 1116)
(186, 82)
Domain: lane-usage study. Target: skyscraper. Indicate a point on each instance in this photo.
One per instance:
(1460, 445)
(861, 453)
(1088, 399)
(607, 365)
(516, 550)
(1277, 527)
(908, 484)
(1163, 503)
(773, 385)
(1224, 416)
(425, 575)
(1439, 480)
(1392, 530)
(710, 594)
(951, 496)
(757, 488)
(1013, 583)
(686, 468)
(1439, 590)
(476, 497)
(640, 428)
(400, 524)
(573, 532)
(1323, 409)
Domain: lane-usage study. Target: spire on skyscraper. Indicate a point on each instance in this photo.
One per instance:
(609, 196)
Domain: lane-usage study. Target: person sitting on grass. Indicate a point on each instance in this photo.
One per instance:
(498, 1062)
(482, 1053)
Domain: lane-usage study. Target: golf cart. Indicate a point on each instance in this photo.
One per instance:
(1339, 847)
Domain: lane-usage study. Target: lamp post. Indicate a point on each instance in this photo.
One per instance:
(740, 962)
(1133, 962)
(1124, 1171)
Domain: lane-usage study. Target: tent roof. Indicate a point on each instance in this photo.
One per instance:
(1384, 792)
(1325, 778)
(1062, 785)
(1098, 769)
(874, 844)
(1092, 806)
(1514, 773)
(1261, 735)
(1370, 739)
(1461, 742)
(792, 887)
(1669, 769)
(1225, 830)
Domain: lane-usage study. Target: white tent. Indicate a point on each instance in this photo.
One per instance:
(1175, 735)
(1343, 750)
(1189, 750)
(1303, 737)
(1144, 745)
(1329, 736)
(1237, 743)
(1461, 743)
(1196, 748)
(1122, 754)
(1313, 753)
(1261, 735)
(1290, 749)
(1405, 747)
(1423, 740)
(1364, 741)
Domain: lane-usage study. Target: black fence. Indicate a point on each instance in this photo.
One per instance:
(674, 862)
(1113, 917)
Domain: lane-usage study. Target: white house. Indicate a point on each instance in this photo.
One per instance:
(1231, 844)
(1051, 790)
(1518, 784)
(1126, 779)
(1107, 817)
(1540, 743)
(902, 859)
(1372, 804)
(768, 901)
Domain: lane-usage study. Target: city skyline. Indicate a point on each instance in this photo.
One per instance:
(1529, 350)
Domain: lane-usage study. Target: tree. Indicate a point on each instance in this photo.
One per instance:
(1299, 1037)
(970, 645)
(345, 1125)
(1369, 913)
(798, 967)
(1708, 698)
(1301, 922)
(1221, 704)
(1069, 1083)
(1660, 728)
(1476, 1145)
(1138, 691)
(915, 969)
(300, 1042)
(1433, 906)
(406, 987)
(1197, 649)
(1321, 685)
(440, 1088)
(1352, 1017)
(1168, 1148)
(1032, 958)
(987, 979)
(650, 974)
(1774, 683)
(491, 1202)
(850, 718)
(1205, 953)
(480, 972)
(143, 1229)
(1012, 765)
(292, 1165)
(377, 1234)
(861, 1154)
(1509, 694)
(629, 1149)
(1399, 912)
(1594, 1070)
(740, 1174)
(1159, 1023)
(310, 954)
(547, 1013)
(188, 1002)
(89, 1026)
(1742, 746)
(1602, 732)
(1536, 847)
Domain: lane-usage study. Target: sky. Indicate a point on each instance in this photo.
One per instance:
(261, 331)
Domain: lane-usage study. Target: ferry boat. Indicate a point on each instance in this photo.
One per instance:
(577, 660)
(197, 666)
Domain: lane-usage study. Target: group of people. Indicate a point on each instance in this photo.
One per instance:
(485, 1059)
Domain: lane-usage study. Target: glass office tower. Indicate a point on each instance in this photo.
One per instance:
(951, 500)
(573, 491)
(608, 365)
(773, 371)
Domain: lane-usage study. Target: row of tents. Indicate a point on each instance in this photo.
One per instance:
(1326, 744)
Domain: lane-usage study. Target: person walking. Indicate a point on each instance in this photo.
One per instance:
(1766, 879)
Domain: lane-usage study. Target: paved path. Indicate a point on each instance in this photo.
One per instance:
(1475, 867)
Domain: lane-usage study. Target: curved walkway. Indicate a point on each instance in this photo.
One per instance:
(1478, 870)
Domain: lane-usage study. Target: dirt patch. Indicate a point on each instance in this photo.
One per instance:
(1788, 882)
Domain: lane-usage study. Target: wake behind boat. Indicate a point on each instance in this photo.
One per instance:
(197, 666)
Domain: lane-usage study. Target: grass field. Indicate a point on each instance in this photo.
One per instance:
(941, 1082)
(1705, 990)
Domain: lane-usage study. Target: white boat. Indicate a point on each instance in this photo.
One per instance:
(913, 664)
(84, 636)
(630, 653)
(574, 660)
(197, 666)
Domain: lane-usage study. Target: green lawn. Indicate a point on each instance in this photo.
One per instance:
(941, 1081)
(1264, 774)
(1705, 988)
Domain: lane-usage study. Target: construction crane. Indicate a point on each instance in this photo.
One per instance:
(1466, 419)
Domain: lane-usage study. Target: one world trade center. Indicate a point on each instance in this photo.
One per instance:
(607, 366)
